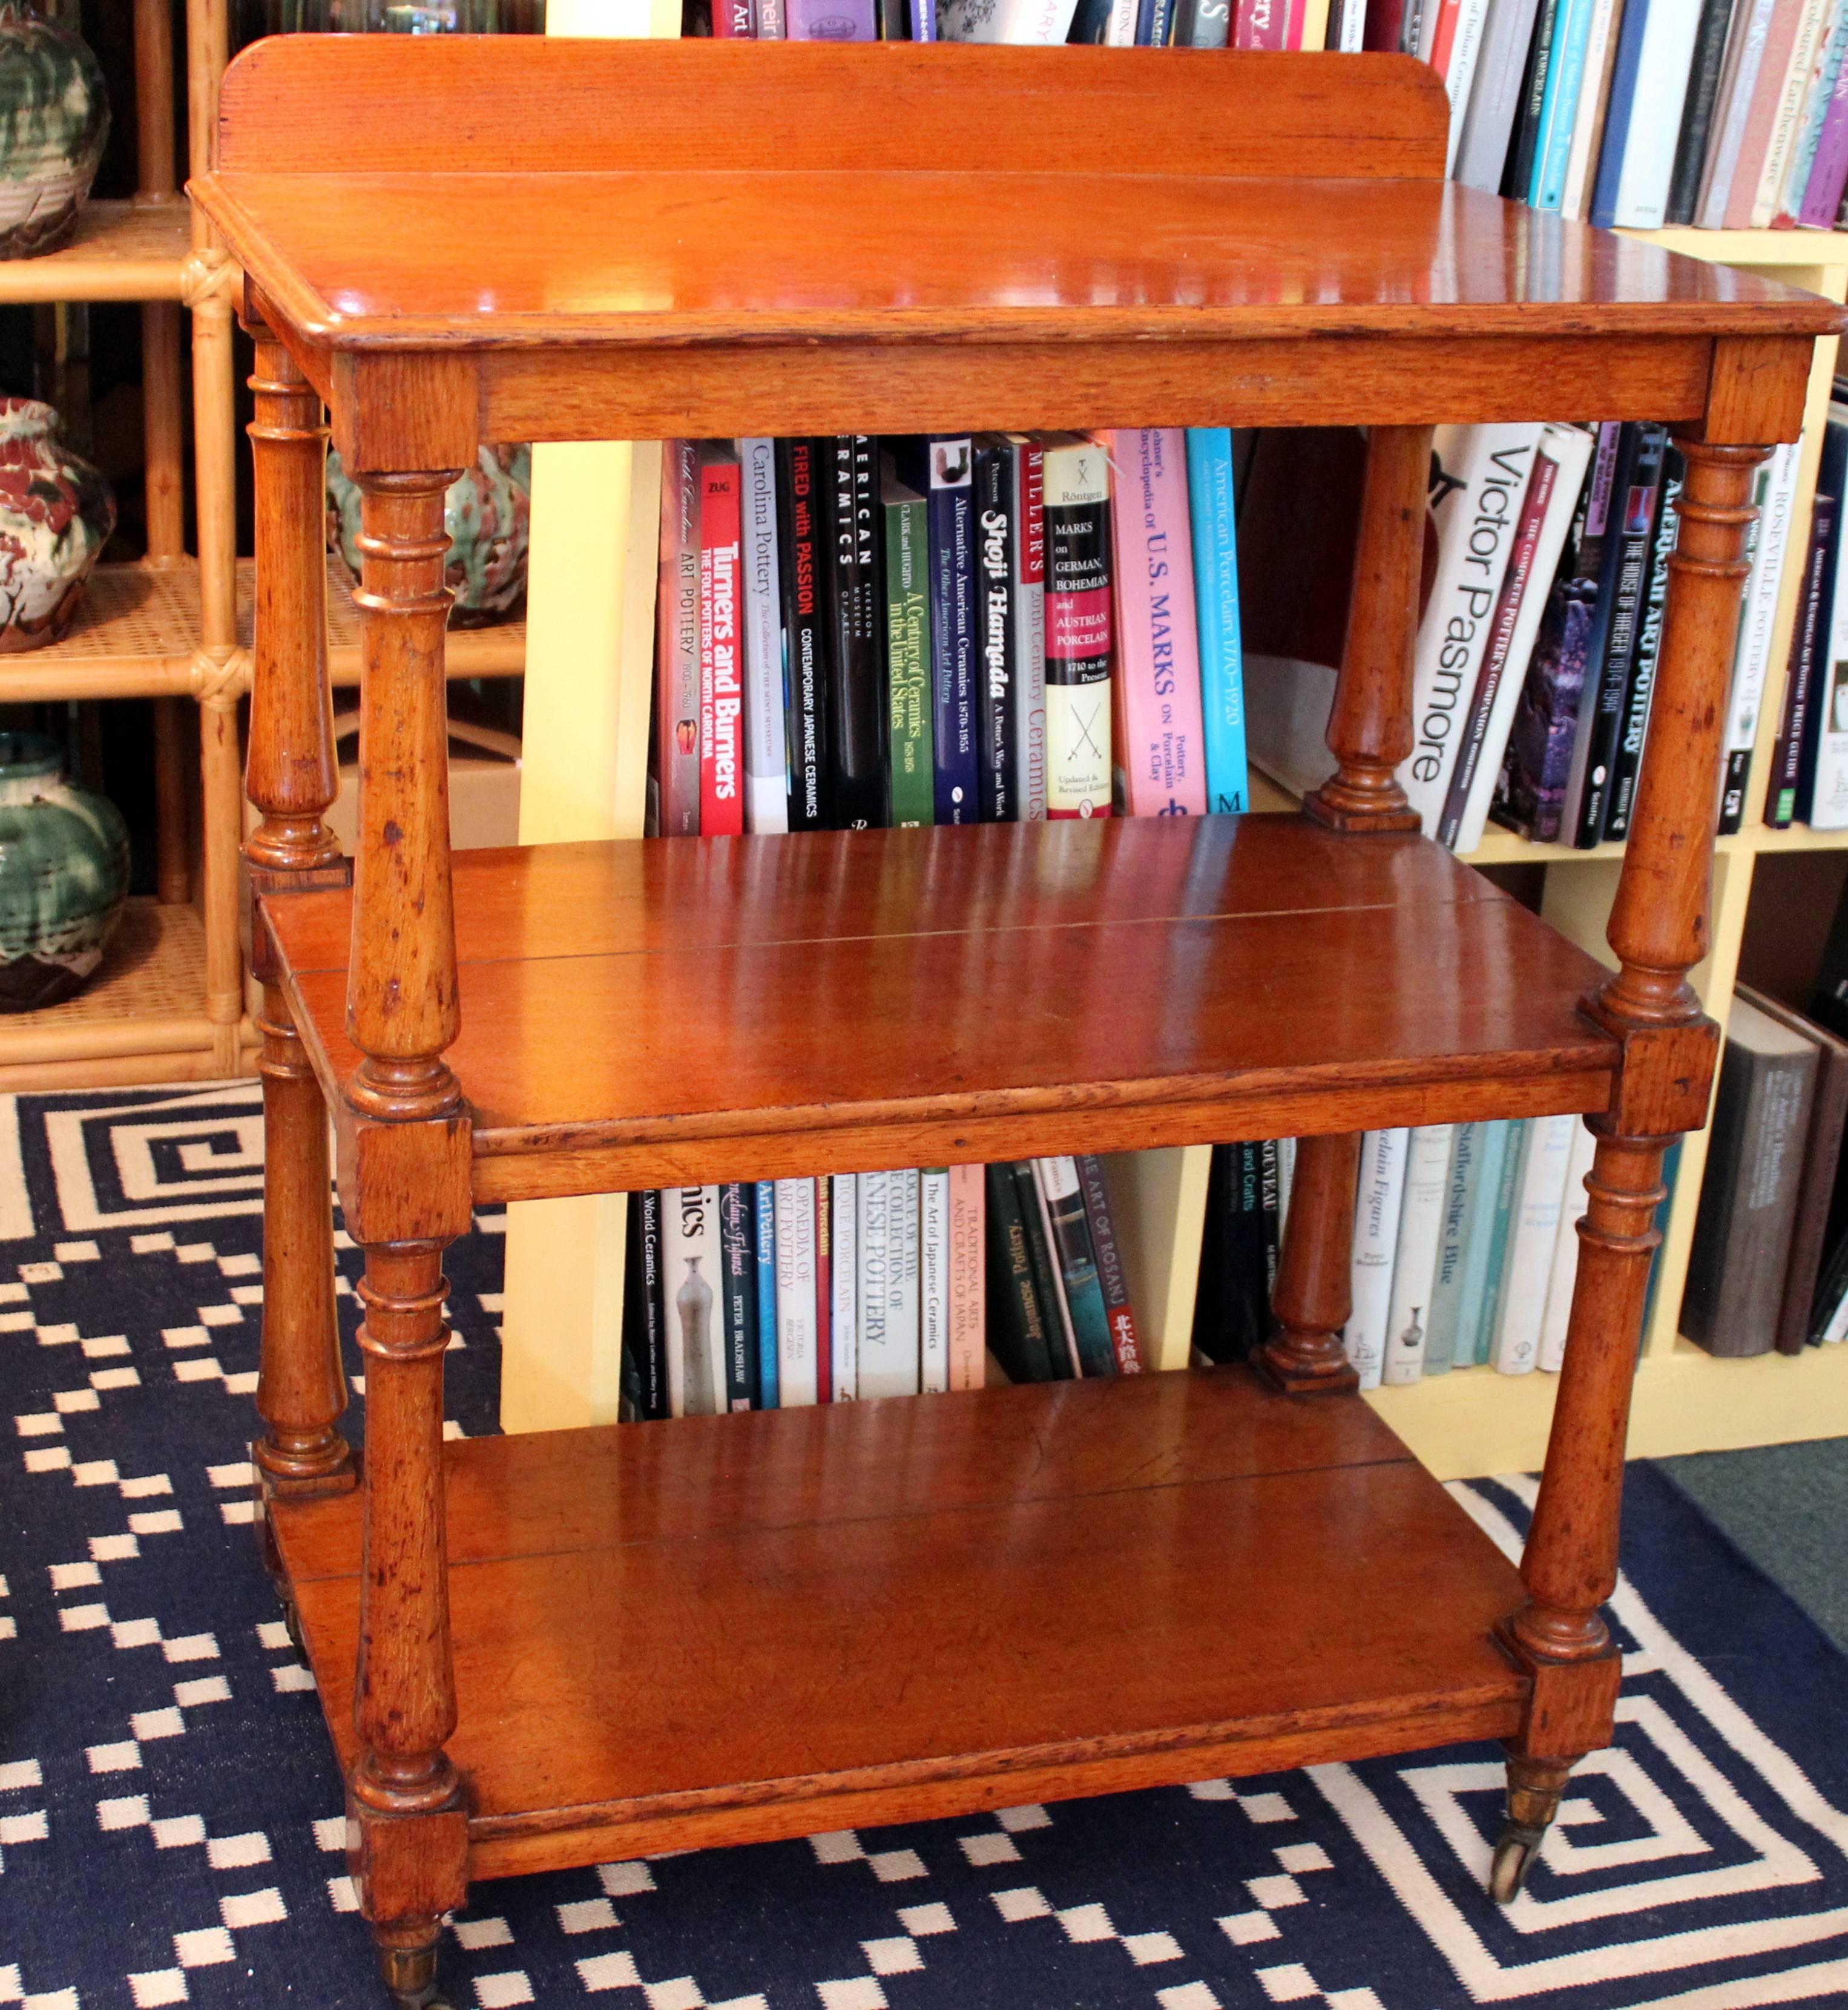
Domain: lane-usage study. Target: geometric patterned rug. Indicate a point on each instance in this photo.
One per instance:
(170, 1814)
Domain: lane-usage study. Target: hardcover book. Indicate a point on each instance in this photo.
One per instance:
(1062, 1347)
(1501, 1228)
(996, 632)
(1028, 601)
(1043, 22)
(766, 739)
(1070, 1237)
(690, 1294)
(969, 1297)
(764, 1192)
(1640, 690)
(1112, 1277)
(738, 1295)
(797, 1379)
(1447, 1275)
(1415, 1255)
(721, 654)
(645, 1331)
(933, 1279)
(1774, 487)
(856, 613)
(1563, 1275)
(676, 701)
(1746, 45)
(913, 782)
(1376, 1240)
(1018, 1334)
(950, 466)
(1480, 1256)
(804, 632)
(1213, 512)
(844, 1317)
(1079, 645)
(1539, 1194)
(1809, 636)
(832, 21)
(1822, 784)
(1697, 110)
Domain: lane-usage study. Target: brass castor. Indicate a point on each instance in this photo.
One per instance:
(1514, 1851)
(410, 1978)
(292, 1621)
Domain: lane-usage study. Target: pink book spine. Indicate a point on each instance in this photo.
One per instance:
(1780, 39)
(1828, 171)
(968, 1308)
(1158, 657)
(1260, 24)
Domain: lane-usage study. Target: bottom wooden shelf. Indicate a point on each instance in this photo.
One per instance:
(736, 1629)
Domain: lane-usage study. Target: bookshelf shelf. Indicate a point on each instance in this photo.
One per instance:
(140, 250)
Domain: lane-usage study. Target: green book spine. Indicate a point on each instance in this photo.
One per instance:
(1017, 1326)
(908, 652)
(1491, 1147)
(1507, 1189)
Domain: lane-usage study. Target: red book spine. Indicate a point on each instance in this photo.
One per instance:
(824, 1291)
(721, 666)
(733, 20)
(1261, 24)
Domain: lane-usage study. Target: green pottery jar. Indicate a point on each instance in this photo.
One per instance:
(54, 119)
(63, 875)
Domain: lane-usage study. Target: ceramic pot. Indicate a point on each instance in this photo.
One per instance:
(56, 513)
(54, 118)
(63, 875)
(485, 514)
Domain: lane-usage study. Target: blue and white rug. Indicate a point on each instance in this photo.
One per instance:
(170, 1815)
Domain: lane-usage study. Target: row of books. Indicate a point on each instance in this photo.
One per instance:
(778, 1294)
(1465, 1248)
(856, 631)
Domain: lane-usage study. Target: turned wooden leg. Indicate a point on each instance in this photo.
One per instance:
(1371, 728)
(408, 1961)
(1314, 1292)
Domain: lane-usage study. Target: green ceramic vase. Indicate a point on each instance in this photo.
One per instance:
(63, 875)
(486, 513)
(54, 119)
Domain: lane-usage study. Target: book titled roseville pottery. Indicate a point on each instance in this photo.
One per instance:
(56, 513)
(54, 118)
(63, 875)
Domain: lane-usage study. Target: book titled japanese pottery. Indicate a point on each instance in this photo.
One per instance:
(63, 875)
(54, 119)
(56, 513)
(486, 513)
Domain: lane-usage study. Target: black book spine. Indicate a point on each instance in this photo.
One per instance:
(1017, 1329)
(856, 621)
(645, 1331)
(1058, 1336)
(1805, 641)
(1519, 175)
(804, 633)
(1632, 505)
(1647, 653)
(1232, 1312)
(1696, 114)
(994, 625)
(737, 1273)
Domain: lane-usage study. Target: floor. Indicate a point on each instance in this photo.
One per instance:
(1786, 1507)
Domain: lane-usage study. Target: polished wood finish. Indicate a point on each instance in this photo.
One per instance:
(1022, 1594)
(637, 1015)
(1086, 1587)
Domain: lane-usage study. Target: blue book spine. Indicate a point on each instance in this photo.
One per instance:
(954, 752)
(1213, 510)
(1491, 1141)
(1623, 97)
(1560, 109)
(1507, 1191)
(766, 1294)
(923, 20)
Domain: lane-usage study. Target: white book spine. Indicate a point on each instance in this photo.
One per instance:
(1546, 1152)
(1836, 1331)
(888, 1296)
(1043, 23)
(933, 1279)
(1759, 613)
(1569, 449)
(1667, 55)
(690, 1285)
(1828, 808)
(1286, 1178)
(844, 1310)
(766, 781)
(1814, 20)
(873, 1199)
(1415, 1258)
(1587, 120)
(798, 1384)
(1564, 1271)
(902, 1324)
(1120, 31)
(1465, 48)
(1376, 1241)
(1351, 25)
(969, 1275)
(1751, 28)
(1485, 470)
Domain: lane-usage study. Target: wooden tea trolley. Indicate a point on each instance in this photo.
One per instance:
(552, 1650)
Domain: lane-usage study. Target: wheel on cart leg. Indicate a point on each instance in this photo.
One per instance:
(1514, 1851)
(410, 1976)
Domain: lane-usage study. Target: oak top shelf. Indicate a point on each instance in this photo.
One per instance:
(644, 1013)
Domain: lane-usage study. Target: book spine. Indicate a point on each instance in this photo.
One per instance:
(969, 1297)
(1800, 77)
(721, 669)
(953, 725)
(1588, 121)
(873, 1247)
(1501, 1225)
(1376, 1238)
(1518, 172)
(843, 1318)
(647, 1311)
(1061, 1348)
(1539, 1195)
(1447, 1275)
(1112, 1279)
(995, 626)
(1667, 56)
(1562, 1274)
(1641, 688)
(796, 1367)
(1030, 631)
(1382, 32)
(903, 1323)
(1696, 117)
(695, 1351)
(1259, 24)
(1205, 24)
(738, 1302)
(857, 727)
(766, 738)
(765, 1196)
(676, 701)
(933, 1279)
(823, 1216)
(1767, 537)
(1079, 641)
(1828, 790)
(1458, 73)
(907, 657)
(1565, 76)
(1071, 1241)
(1621, 589)
(1415, 1255)
(1785, 26)
(1158, 661)
(1516, 583)
(1488, 125)
(1806, 641)
(1492, 1145)
(1214, 517)
(1231, 1307)
(1021, 1341)
(804, 633)
(1617, 117)
(1831, 49)
(1120, 31)
(734, 19)
(1828, 171)
(832, 21)
(771, 25)
(1746, 45)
